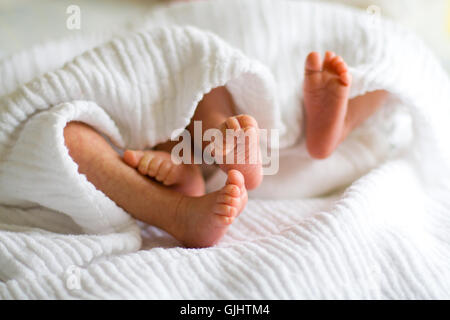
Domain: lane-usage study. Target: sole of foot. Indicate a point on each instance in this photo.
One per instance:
(203, 221)
(240, 149)
(326, 91)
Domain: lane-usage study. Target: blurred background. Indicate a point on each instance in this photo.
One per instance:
(24, 23)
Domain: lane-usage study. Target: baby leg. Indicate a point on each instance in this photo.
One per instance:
(195, 221)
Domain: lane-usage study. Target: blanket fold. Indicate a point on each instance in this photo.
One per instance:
(370, 222)
(129, 89)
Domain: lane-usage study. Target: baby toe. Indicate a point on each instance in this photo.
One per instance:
(346, 78)
(164, 170)
(313, 63)
(341, 67)
(132, 158)
(229, 200)
(154, 165)
(232, 123)
(225, 220)
(225, 210)
(231, 190)
(247, 122)
(336, 62)
(144, 162)
(329, 55)
(236, 178)
(173, 175)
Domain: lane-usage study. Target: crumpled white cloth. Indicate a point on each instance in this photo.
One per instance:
(370, 222)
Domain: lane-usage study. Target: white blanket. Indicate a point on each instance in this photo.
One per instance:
(373, 221)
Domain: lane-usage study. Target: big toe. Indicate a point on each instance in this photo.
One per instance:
(313, 62)
(246, 121)
(132, 158)
(236, 178)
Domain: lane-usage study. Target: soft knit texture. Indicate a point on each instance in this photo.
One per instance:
(386, 236)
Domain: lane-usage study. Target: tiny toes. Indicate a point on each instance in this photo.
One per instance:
(235, 177)
(132, 158)
(231, 190)
(341, 67)
(154, 165)
(246, 122)
(164, 170)
(226, 220)
(346, 78)
(225, 210)
(337, 65)
(329, 55)
(144, 163)
(232, 123)
(172, 176)
(228, 200)
(336, 61)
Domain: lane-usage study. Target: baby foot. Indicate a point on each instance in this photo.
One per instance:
(326, 89)
(241, 153)
(203, 221)
(185, 178)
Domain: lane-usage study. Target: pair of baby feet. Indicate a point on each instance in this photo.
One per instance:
(204, 219)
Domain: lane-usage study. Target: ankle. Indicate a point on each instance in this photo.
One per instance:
(177, 226)
(215, 107)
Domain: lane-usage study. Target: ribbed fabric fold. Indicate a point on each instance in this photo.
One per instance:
(136, 111)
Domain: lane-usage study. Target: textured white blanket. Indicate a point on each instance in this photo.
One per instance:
(373, 221)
